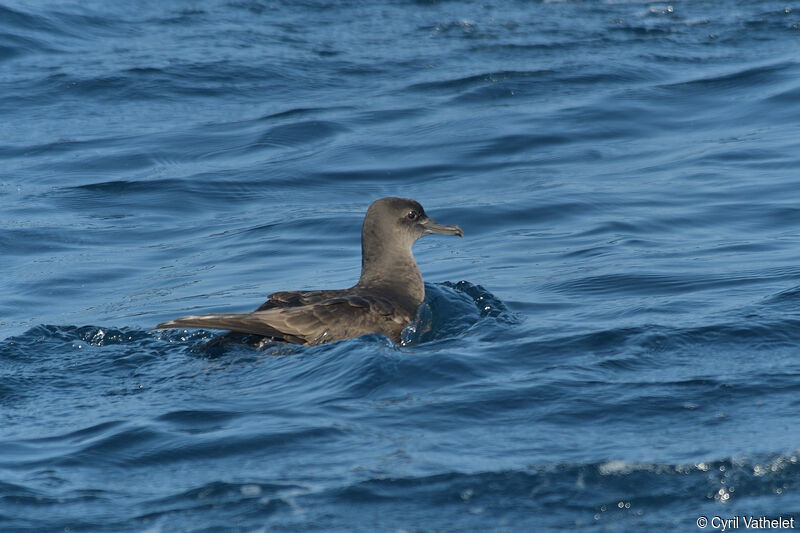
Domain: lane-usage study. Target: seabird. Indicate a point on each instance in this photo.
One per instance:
(384, 301)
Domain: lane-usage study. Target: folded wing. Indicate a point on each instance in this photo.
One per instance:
(323, 319)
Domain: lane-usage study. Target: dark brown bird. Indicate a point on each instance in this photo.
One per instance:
(384, 300)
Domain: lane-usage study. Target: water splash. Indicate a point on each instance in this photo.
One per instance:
(451, 309)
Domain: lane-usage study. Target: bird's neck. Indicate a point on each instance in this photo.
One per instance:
(392, 271)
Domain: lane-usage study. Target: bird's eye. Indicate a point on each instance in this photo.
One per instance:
(412, 215)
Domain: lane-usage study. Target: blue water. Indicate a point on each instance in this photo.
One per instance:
(613, 346)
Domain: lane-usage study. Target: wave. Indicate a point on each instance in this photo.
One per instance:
(611, 494)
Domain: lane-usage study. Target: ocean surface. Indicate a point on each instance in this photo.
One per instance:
(613, 346)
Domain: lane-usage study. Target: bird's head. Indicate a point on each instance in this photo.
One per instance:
(403, 221)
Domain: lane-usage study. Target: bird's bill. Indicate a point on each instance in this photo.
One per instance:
(431, 226)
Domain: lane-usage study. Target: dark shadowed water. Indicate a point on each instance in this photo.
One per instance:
(613, 346)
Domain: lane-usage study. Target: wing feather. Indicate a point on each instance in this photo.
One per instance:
(298, 298)
(321, 319)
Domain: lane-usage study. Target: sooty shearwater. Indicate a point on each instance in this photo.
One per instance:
(384, 300)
